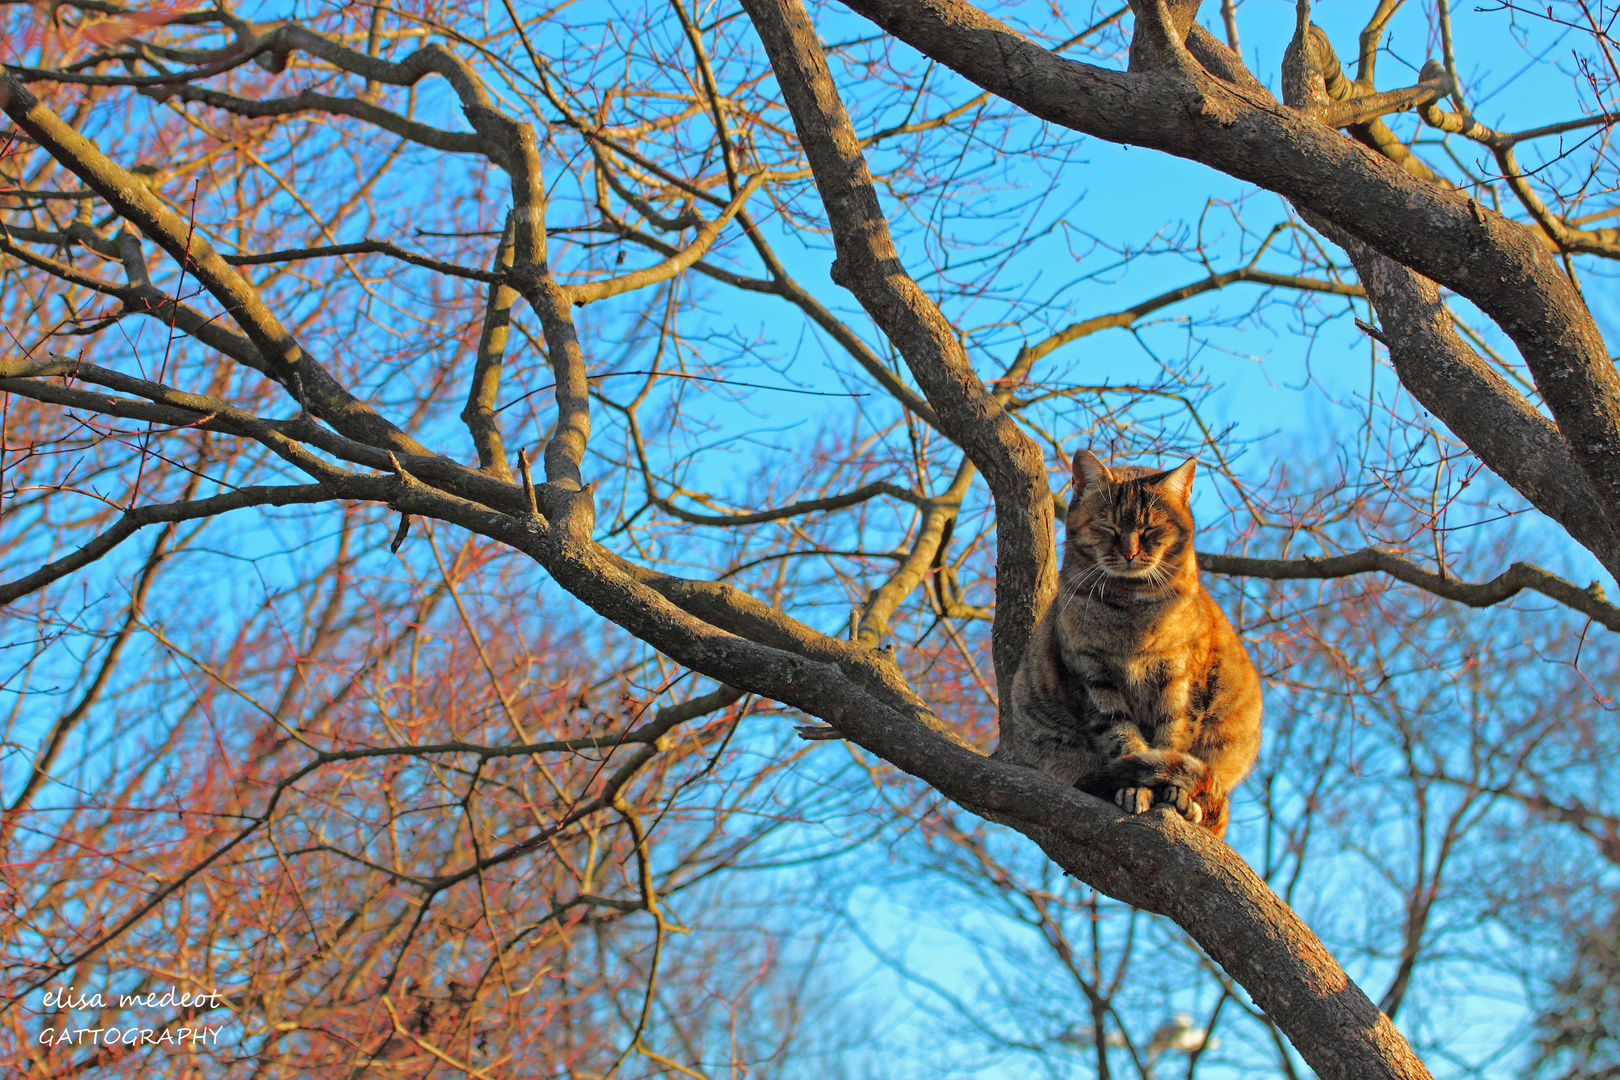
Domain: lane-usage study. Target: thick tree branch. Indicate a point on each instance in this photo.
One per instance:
(452, 142)
(1448, 378)
(869, 266)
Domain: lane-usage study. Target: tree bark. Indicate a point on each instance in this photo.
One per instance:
(869, 266)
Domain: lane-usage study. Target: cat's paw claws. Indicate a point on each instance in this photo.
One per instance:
(1182, 801)
(1174, 796)
(1134, 800)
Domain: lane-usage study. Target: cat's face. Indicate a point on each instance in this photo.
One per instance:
(1130, 521)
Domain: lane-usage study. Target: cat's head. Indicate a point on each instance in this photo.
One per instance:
(1131, 521)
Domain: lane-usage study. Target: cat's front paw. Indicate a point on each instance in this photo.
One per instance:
(1180, 798)
(1134, 800)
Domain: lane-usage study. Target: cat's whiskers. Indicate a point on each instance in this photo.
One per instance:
(1159, 577)
(1079, 583)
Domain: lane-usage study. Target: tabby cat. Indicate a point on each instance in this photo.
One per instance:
(1134, 686)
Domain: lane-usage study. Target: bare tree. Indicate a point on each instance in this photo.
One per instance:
(385, 768)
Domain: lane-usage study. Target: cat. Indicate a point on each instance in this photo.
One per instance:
(1134, 687)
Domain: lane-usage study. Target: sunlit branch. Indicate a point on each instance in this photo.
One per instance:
(452, 142)
(1589, 601)
(1561, 233)
(1605, 242)
(1369, 107)
(1367, 58)
(1449, 57)
(401, 1030)
(711, 88)
(1229, 23)
(1512, 436)
(873, 622)
(365, 247)
(479, 412)
(1470, 128)
(138, 518)
(796, 509)
(1315, 84)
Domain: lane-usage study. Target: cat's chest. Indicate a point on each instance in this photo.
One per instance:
(1148, 672)
(1145, 678)
(1142, 653)
(1151, 681)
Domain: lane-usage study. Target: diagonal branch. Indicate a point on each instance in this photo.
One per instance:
(932, 532)
(869, 266)
(795, 509)
(364, 247)
(1448, 378)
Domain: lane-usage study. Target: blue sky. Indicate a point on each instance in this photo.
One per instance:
(1280, 391)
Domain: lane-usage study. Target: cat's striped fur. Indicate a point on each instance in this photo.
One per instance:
(1134, 686)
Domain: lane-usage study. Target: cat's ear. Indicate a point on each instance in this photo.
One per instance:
(1178, 481)
(1089, 472)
